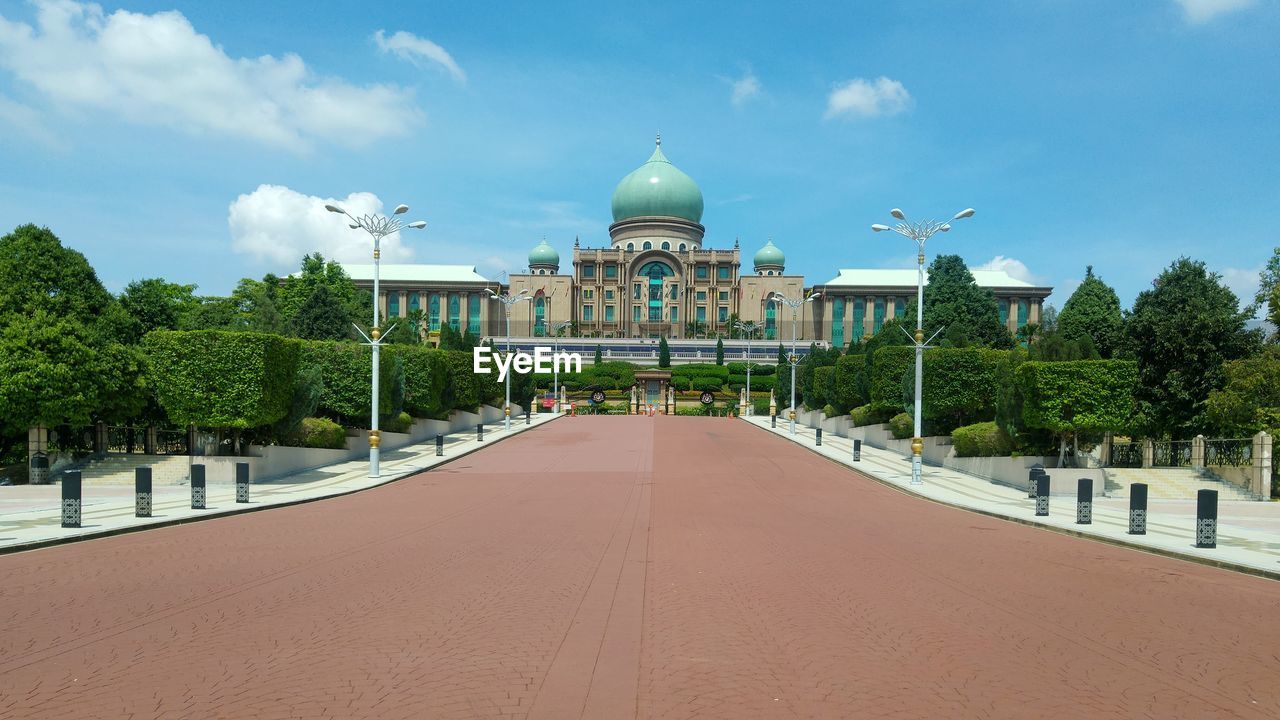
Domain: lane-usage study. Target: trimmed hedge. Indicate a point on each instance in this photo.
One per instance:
(984, 439)
(346, 369)
(428, 392)
(1080, 395)
(217, 378)
(960, 384)
(321, 433)
(902, 426)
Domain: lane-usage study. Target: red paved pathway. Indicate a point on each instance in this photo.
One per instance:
(624, 567)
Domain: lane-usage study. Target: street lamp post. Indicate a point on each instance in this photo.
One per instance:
(750, 329)
(556, 329)
(919, 232)
(507, 299)
(378, 227)
(793, 359)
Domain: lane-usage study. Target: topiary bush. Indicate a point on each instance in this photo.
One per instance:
(985, 439)
(860, 416)
(321, 433)
(902, 426)
(398, 424)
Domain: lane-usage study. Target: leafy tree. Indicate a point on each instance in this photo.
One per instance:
(1069, 398)
(212, 313)
(1049, 319)
(953, 300)
(296, 290)
(155, 304)
(664, 353)
(782, 356)
(38, 273)
(321, 317)
(1250, 399)
(408, 329)
(1268, 282)
(1053, 347)
(255, 303)
(1181, 332)
(1093, 310)
(719, 351)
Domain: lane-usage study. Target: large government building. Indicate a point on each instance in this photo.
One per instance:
(657, 277)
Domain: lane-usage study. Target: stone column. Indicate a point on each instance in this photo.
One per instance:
(1148, 453)
(1197, 452)
(1260, 473)
(1011, 321)
(37, 441)
(100, 438)
(868, 316)
(1104, 455)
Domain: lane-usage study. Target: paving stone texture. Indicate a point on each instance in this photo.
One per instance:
(619, 567)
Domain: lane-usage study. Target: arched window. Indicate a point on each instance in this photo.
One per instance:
(540, 316)
(631, 246)
(666, 245)
(770, 320)
(681, 247)
(647, 245)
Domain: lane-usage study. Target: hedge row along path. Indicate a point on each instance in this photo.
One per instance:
(616, 567)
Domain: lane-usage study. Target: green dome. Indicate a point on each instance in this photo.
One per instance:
(544, 254)
(657, 189)
(770, 255)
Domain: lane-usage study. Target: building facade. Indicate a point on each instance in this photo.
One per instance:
(655, 278)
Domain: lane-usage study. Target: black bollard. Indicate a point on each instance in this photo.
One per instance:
(773, 421)
(479, 432)
(242, 482)
(1036, 471)
(1084, 501)
(1042, 494)
(1138, 509)
(197, 487)
(142, 492)
(857, 451)
(1207, 519)
(818, 437)
(71, 499)
(526, 417)
(439, 445)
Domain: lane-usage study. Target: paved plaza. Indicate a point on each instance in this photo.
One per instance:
(617, 567)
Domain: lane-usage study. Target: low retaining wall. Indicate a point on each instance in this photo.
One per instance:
(938, 451)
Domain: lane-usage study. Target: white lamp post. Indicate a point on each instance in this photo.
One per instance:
(378, 227)
(793, 359)
(556, 329)
(507, 299)
(750, 329)
(919, 232)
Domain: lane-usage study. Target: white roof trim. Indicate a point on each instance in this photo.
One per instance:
(417, 273)
(869, 277)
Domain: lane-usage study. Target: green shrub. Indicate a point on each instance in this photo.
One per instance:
(706, 384)
(985, 439)
(321, 433)
(720, 371)
(902, 426)
(426, 381)
(865, 415)
(398, 424)
(829, 411)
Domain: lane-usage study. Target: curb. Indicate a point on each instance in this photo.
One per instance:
(215, 514)
(1173, 554)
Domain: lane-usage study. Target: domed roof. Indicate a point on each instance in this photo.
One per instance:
(770, 255)
(657, 189)
(544, 254)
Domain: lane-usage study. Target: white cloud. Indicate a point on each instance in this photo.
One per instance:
(27, 122)
(1243, 282)
(157, 70)
(745, 88)
(277, 226)
(1015, 268)
(867, 98)
(408, 46)
(1202, 11)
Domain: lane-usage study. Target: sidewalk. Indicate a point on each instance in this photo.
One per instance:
(1248, 532)
(31, 515)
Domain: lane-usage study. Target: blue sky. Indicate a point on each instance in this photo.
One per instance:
(194, 141)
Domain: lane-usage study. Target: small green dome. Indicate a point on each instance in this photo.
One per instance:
(770, 255)
(544, 254)
(657, 189)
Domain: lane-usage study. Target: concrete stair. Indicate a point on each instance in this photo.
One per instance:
(1172, 483)
(119, 469)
